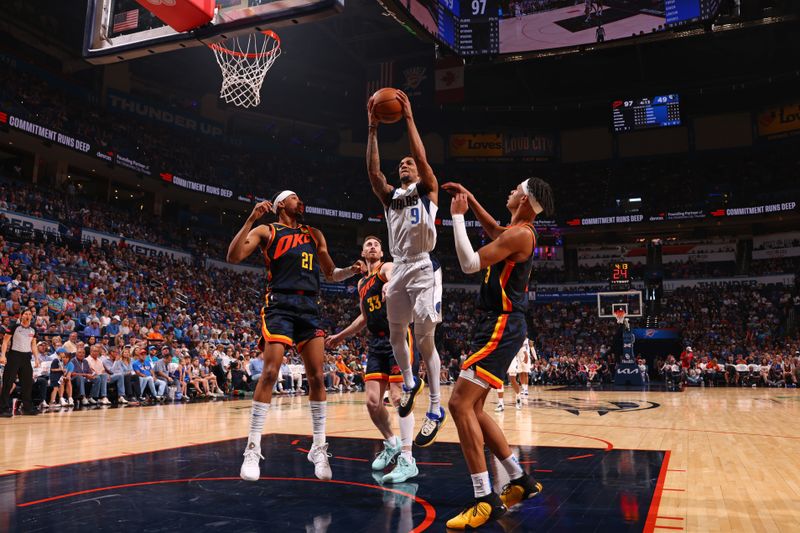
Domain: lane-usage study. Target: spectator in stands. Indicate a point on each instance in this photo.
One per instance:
(80, 372)
(198, 380)
(99, 379)
(121, 374)
(255, 367)
(142, 367)
(161, 371)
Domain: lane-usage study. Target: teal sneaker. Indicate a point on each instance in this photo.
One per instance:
(386, 456)
(404, 470)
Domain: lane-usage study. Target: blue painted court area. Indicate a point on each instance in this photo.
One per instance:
(197, 488)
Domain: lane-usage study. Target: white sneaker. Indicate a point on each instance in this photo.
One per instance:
(251, 470)
(92, 401)
(71, 402)
(63, 402)
(319, 456)
(43, 405)
(84, 402)
(500, 408)
(104, 401)
(122, 400)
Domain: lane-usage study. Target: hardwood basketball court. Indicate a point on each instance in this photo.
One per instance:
(727, 460)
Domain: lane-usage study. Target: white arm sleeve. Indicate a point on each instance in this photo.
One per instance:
(469, 258)
(341, 274)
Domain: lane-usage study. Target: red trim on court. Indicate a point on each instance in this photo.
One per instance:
(540, 470)
(351, 458)
(434, 464)
(609, 446)
(575, 457)
(528, 462)
(430, 512)
(669, 527)
(295, 441)
(650, 524)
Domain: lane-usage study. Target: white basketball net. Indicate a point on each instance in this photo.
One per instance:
(244, 63)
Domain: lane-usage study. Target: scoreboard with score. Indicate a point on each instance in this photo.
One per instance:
(644, 113)
(620, 279)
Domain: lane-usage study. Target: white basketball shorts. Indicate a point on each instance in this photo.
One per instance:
(414, 293)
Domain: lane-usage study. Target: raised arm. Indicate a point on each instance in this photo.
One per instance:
(489, 224)
(380, 186)
(248, 238)
(326, 263)
(426, 175)
(513, 242)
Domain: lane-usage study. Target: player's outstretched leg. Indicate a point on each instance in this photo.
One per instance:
(435, 416)
(412, 385)
(406, 467)
(392, 445)
(273, 355)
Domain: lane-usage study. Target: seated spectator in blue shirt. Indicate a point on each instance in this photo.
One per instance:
(112, 330)
(144, 370)
(256, 368)
(93, 329)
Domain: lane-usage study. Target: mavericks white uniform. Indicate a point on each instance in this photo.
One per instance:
(518, 364)
(415, 291)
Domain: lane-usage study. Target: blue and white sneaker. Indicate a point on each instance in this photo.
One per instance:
(430, 428)
(387, 455)
(404, 470)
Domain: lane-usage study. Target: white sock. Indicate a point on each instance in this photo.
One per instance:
(525, 388)
(407, 429)
(481, 485)
(318, 413)
(408, 378)
(258, 415)
(407, 454)
(514, 470)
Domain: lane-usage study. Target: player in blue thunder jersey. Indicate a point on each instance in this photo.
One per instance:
(294, 254)
(414, 293)
(500, 331)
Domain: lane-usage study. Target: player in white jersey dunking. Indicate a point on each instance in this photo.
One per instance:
(414, 294)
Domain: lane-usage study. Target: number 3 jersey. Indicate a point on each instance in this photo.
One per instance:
(370, 292)
(411, 218)
(291, 257)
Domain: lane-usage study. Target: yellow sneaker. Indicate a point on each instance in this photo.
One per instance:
(483, 510)
(519, 490)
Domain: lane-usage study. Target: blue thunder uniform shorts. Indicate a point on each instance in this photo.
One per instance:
(495, 344)
(381, 365)
(290, 319)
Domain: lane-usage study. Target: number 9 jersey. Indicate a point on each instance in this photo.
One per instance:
(411, 218)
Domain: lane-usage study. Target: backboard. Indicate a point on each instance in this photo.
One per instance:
(118, 30)
(630, 301)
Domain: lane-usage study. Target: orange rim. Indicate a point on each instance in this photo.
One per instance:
(268, 33)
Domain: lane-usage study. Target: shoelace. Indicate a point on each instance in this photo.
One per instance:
(428, 426)
(252, 455)
(319, 453)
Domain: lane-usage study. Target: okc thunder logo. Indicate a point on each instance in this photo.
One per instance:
(414, 77)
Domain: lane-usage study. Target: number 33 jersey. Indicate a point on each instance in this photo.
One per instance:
(291, 257)
(370, 294)
(411, 218)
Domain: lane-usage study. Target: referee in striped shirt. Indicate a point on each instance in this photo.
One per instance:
(17, 360)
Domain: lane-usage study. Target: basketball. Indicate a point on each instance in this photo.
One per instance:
(387, 108)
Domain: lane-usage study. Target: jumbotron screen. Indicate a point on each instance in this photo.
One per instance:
(491, 27)
(644, 113)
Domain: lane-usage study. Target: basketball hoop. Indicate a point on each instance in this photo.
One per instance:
(620, 313)
(244, 64)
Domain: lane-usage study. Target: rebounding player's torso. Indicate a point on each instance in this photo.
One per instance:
(370, 293)
(504, 285)
(411, 218)
(292, 260)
